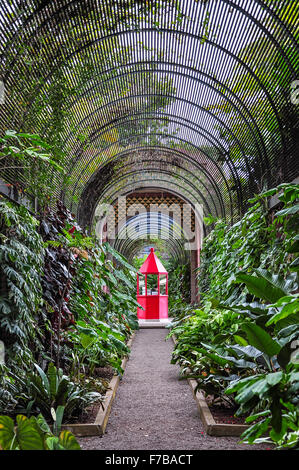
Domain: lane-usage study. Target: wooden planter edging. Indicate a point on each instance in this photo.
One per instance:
(99, 426)
(210, 426)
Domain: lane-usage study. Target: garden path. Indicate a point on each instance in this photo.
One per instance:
(152, 408)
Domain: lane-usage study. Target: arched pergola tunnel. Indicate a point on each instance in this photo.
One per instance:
(195, 98)
(141, 218)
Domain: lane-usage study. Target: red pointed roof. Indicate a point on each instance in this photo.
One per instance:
(152, 265)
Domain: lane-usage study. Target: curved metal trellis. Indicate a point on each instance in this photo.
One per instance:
(204, 83)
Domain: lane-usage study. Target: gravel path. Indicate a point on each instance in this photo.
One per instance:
(153, 409)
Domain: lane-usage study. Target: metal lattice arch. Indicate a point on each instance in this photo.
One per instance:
(192, 97)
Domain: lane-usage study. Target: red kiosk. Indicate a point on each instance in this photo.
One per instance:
(152, 289)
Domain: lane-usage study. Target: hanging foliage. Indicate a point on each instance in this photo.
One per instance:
(62, 301)
(21, 266)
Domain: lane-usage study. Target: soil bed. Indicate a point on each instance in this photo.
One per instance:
(104, 373)
(226, 415)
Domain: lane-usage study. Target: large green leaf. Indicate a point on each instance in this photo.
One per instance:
(7, 433)
(86, 340)
(290, 307)
(247, 393)
(265, 285)
(58, 421)
(120, 345)
(260, 339)
(274, 378)
(255, 431)
(245, 308)
(287, 321)
(62, 391)
(225, 354)
(126, 297)
(44, 379)
(28, 436)
(241, 341)
(239, 384)
(213, 356)
(87, 330)
(42, 424)
(53, 379)
(288, 333)
(127, 280)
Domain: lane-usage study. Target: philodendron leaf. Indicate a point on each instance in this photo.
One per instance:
(7, 433)
(214, 357)
(274, 378)
(28, 436)
(260, 339)
(288, 284)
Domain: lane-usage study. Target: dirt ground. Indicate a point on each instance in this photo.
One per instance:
(153, 409)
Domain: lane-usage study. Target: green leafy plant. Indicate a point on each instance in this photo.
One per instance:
(33, 434)
(249, 275)
(53, 389)
(67, 303)
(30, 156)
(278, 393)
(21, 265)
(104, 304)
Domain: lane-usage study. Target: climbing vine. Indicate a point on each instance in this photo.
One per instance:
(21, 257)
(66, 311)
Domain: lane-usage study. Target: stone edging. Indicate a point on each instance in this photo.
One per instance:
(99, 426)
(210, 426)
